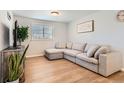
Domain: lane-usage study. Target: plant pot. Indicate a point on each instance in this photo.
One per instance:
(15, 81)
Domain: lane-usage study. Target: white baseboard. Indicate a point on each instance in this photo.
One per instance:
(34, 56)
(122, 69)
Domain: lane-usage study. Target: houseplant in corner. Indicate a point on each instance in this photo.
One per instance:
(22, 33)
(15, 66)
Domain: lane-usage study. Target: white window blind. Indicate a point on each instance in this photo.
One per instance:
(40, 32)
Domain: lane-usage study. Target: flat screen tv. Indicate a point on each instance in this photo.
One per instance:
(15, 35)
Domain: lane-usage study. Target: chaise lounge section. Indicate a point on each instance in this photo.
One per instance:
(98, 58)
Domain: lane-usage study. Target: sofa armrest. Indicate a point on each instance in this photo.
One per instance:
(109, 63)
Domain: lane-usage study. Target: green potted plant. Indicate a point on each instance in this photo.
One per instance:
(22, 33)
(15, 66)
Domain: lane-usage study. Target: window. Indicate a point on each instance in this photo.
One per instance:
(40, 32)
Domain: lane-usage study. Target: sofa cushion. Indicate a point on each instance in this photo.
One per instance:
(71, 52)
(101, 50)
(84, 57)
(51, 51)
(69, 45)
(78, 46)
(92, 49)
(60, 45)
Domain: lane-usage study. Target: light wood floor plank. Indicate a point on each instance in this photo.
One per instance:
(40, 70)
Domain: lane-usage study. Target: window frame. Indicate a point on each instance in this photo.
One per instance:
(43, 32)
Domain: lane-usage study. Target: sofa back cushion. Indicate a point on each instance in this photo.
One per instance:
(60, 45)
(78, 46)
(69, 45)
(101, 50)
(91, 50)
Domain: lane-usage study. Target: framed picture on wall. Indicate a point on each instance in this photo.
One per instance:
(84, 27)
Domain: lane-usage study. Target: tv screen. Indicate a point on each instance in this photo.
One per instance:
(15, 35)
(4, 36)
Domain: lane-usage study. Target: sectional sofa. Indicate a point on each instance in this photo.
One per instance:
(98, 58)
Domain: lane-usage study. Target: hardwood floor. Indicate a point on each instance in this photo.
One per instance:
(40, 70)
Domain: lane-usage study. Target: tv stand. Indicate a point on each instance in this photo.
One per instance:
(4, 55)
(12, 48)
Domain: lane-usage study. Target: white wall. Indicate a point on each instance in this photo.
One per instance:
(37, 47)
(108, 30)
(9, 24)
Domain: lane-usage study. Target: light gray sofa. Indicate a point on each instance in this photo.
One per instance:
(98, 58)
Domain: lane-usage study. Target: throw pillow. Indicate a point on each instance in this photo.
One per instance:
(101, 50)
(78, 46)
(91, 51)
(87, 47)
(60, 45)
(69, 45)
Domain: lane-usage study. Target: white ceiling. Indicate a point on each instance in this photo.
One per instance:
(66, 15)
